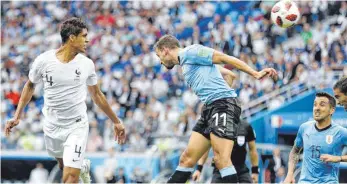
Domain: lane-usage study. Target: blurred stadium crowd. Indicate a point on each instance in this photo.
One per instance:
(149, 99)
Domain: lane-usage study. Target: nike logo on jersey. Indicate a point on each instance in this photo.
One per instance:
(74, 160)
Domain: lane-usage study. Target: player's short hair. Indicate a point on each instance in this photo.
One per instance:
(71, 26)
(341, 85)
(331, 99)
(167, 41)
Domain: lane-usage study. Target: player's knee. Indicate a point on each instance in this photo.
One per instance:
(186, 160)
(221, 161)
(71, 177)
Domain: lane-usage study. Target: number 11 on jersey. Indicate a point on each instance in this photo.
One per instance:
(224, 116)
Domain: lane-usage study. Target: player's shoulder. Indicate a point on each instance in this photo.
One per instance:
(85, 61)
(197, 50)
(307, 124)
(193, 48)
(245, 124)
(189, 49)
(83, 58)
(46, 55)
(338, 127)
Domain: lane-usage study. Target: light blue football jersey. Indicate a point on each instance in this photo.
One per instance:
(315, 142)
(202, 75)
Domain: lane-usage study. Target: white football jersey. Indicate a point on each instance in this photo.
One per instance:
(65, 86)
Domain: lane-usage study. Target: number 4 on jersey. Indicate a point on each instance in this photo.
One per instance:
(49, 80)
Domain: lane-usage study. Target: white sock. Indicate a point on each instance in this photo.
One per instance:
(83, 167)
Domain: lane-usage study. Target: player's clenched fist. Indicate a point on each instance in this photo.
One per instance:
(269, 72)
(255, 177)
(196, 176)
(119, 131)
(289, 179)
(9, 125)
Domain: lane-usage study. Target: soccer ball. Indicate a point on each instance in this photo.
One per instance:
(285, 13)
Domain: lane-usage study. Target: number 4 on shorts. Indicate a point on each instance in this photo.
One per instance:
(78, 151)
(224, 116)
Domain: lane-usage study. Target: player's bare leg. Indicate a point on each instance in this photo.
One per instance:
(83, 172)
(60, 162)
(197, 146)
(222, 149)
(71, 175)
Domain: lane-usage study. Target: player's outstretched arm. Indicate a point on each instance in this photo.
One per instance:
(25, 97)
(293, 160)
(100, 100)
(253, 154)
(221, 58)
(201, 162)
(333, 158)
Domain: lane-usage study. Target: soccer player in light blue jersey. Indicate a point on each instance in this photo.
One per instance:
(322, 142)
(221, 111)
(340, 92)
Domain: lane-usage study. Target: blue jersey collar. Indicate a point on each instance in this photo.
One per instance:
(321, 130)
(180, 56)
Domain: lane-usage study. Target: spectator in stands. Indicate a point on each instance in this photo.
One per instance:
(120, 176)
(110, 165)
(276, 164)
(39, 174)
(139, 176)
(95, 141)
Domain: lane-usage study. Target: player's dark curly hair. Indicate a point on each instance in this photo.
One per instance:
(342, 85)
(71, 26)
(167, 41)
(331, 99)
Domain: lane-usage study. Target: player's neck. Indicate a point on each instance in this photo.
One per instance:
(176, 53)
(66, 53)
(324, 123)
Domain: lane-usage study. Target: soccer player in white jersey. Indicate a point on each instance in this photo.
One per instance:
(66, 74)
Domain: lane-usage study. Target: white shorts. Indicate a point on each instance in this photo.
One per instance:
(69, 144)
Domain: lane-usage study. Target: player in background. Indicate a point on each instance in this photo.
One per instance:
(66, 74)
(322, 142)
(340, 92)
(245, 134)
(221, 111)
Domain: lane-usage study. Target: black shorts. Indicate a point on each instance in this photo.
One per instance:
(243, 175)
(221, 118)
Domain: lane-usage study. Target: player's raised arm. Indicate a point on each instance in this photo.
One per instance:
(25, 97)
(221, 58)
(100, 100)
